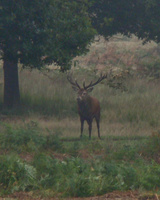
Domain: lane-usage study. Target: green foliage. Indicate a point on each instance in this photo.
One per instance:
(54, 142)
(126, 152)
(47, 170)
(43, 33)
(123, 167)
(109, 20)
(142, 18)
(151, 148)
(42, 23)
(151, 179)
(75, 177)
(15, 175)
(44, 28)
(95, 146)
(27, 137)
(153, 68)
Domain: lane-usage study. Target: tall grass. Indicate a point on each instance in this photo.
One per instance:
(135, 111)
(131, 112)
(45, 96)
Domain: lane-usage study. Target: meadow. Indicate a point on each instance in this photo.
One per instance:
(41, 152)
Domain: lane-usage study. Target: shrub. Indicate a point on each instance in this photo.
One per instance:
(151, 149)
(27, 137)
(151, 179)
(47, 170)
(74, 176)
(53, 141)
(16, 175)
(127, 177)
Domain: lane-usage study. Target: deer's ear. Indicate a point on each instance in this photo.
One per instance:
(89, 89)
(75, 88)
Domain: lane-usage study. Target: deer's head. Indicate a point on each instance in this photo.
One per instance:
(83, 92)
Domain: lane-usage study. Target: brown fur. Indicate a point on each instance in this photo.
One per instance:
(88, 109)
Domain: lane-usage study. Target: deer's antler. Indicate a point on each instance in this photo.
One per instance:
(95, 83)
(74, 83)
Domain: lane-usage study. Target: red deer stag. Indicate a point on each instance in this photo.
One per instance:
(88, 107)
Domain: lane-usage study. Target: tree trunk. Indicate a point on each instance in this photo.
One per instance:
(11, 83)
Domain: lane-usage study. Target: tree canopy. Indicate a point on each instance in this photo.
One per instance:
(40, 32)
(139, 17)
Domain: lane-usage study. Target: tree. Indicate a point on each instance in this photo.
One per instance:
(149, 23)
(139, 17)
(112, 17)
(40, 32)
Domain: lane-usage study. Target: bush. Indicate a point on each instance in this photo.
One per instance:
(74, 177)
(151, 149)
(47, 170)
(16, 175)
(27, 137)
(53, 141)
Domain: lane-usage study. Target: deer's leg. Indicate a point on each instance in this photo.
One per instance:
(90, 128)
(98, 127)
(82, 124)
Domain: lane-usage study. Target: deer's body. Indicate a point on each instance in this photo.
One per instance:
(88, 107)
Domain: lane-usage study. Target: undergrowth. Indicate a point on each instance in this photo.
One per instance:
(16, 175)
(57, 166)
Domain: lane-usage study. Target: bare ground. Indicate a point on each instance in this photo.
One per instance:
(116, 195)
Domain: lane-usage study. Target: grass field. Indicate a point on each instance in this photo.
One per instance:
(41, 152)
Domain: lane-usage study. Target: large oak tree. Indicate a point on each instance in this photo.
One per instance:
(40, 32)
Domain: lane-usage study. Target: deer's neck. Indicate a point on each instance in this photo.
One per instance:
(84, 105)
